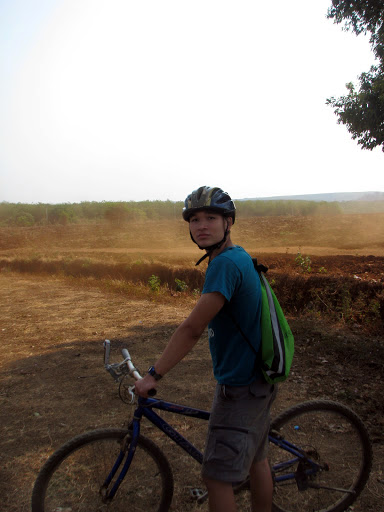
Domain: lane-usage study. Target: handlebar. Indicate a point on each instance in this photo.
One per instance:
(126, 367)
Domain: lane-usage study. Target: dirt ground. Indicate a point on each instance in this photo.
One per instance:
(54, 386)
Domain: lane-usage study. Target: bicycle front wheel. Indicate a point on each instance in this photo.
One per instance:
(72, 479)
(332, 436)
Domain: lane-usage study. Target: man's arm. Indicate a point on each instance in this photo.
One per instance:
(184, 338)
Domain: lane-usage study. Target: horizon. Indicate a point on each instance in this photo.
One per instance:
(295, 197)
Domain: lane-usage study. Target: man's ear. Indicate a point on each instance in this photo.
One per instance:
(229, 223)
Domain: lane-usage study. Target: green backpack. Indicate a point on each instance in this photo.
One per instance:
(277, 342)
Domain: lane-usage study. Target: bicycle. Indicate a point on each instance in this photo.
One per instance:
(320, 455)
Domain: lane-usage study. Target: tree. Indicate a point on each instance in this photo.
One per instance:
(24, 219)
(61, 214)
(362, 109)
(117, 213)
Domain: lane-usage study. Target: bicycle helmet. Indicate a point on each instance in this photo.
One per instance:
(208, 198)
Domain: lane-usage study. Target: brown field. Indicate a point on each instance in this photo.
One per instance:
(64, 290)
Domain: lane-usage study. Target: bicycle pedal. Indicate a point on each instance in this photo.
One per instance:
(199, 495)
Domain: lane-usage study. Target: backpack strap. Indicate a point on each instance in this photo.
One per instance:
(257, 353)
(259, 267)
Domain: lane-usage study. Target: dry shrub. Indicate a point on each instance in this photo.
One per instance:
(340, 298)
(135, 273)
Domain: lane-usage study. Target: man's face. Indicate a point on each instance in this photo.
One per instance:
(208, 228)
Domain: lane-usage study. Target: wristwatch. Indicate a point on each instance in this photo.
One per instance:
(155, 375)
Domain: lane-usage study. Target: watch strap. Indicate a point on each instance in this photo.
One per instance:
(155, 375)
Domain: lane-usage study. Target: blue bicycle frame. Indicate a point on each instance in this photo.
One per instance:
(145, 408)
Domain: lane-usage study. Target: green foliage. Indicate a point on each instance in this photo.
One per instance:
(90, 210)
(181, 286)
(361, 16)
(120, 214)
(304, 262)
(154, 283)
(61, 214)
(362, 109)
(24, 219)
(17, 214)
(116, 214)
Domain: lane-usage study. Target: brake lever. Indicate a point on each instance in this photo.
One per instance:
(131, 390)
(132, 393)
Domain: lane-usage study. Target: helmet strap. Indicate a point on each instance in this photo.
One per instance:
(211, 248)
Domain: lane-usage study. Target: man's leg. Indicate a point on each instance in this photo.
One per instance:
(261, 486)
(220, 496)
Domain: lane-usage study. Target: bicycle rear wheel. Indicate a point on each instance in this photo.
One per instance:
(72, 478)
(333, 436)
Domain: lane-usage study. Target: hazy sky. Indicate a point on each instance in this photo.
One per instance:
(149, 99)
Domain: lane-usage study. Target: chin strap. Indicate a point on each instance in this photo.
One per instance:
(209, 249)
(203, 258)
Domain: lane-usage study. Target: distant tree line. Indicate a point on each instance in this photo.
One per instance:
(20, 214)
(119, 213)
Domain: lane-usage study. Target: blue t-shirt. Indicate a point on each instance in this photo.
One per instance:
(232, 274)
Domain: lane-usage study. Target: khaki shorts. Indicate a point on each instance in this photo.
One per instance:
(238, 430)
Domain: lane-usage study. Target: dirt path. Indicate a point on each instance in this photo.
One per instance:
(53, 385)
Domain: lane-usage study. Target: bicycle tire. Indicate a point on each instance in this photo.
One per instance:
(72, 477)
(336, 437)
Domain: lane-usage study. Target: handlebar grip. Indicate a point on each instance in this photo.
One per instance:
(125, 353)
(107, 350)
(152, 392)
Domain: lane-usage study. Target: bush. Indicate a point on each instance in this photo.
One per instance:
(154, 283)
(181, 286)
(24, 219)
(303, 262)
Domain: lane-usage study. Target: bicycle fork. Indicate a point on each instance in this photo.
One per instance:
(133, 435)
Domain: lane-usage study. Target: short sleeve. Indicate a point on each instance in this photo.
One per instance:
(222, 276)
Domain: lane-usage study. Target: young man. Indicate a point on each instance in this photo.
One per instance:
(237, 439)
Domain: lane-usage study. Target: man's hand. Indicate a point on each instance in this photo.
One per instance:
(145, 384)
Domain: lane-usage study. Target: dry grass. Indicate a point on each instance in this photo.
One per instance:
(343, 283)
(341, 234)
(62, 302)
(54, 386)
